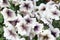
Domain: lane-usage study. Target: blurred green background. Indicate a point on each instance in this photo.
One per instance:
(55, 23)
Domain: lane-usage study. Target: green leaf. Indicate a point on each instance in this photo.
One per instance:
(58, 38)
(56, 23)
(40, 1)
(1, 18)
(35, 38)
(1, 38)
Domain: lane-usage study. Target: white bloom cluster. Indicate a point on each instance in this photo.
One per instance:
(27, 20)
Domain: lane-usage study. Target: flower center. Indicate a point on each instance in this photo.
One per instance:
(27, 6)
(24, 27)
(55, 13)
(53, 33)
(36, 28)
(43, 9)
(28, 20)
(5, 1)
(14, 22)
(9, 13)
(11, 33)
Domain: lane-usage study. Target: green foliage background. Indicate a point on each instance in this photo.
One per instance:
(55, 23)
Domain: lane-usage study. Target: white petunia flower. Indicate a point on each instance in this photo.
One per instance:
(37, 27)
(52, 14)
(10, 33)
(27, 5)
(4, 3)
(55, 13)
(46, 35)
(11, 22)
(42, 7)
(55, 32)
(23, 28)
(29, 20)
(8, 14)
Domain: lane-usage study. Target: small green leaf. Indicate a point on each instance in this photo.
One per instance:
(1, 18)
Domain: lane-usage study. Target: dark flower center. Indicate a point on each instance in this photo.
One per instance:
(53, 33)
(43, 9)
(36, 28)
(11, 33)
(31, 0)
(36, 9)
(28, 20)
(9, 13)
(14, 22)
(55, 13)
(24, 27)
(27, 6)
(5, 1)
